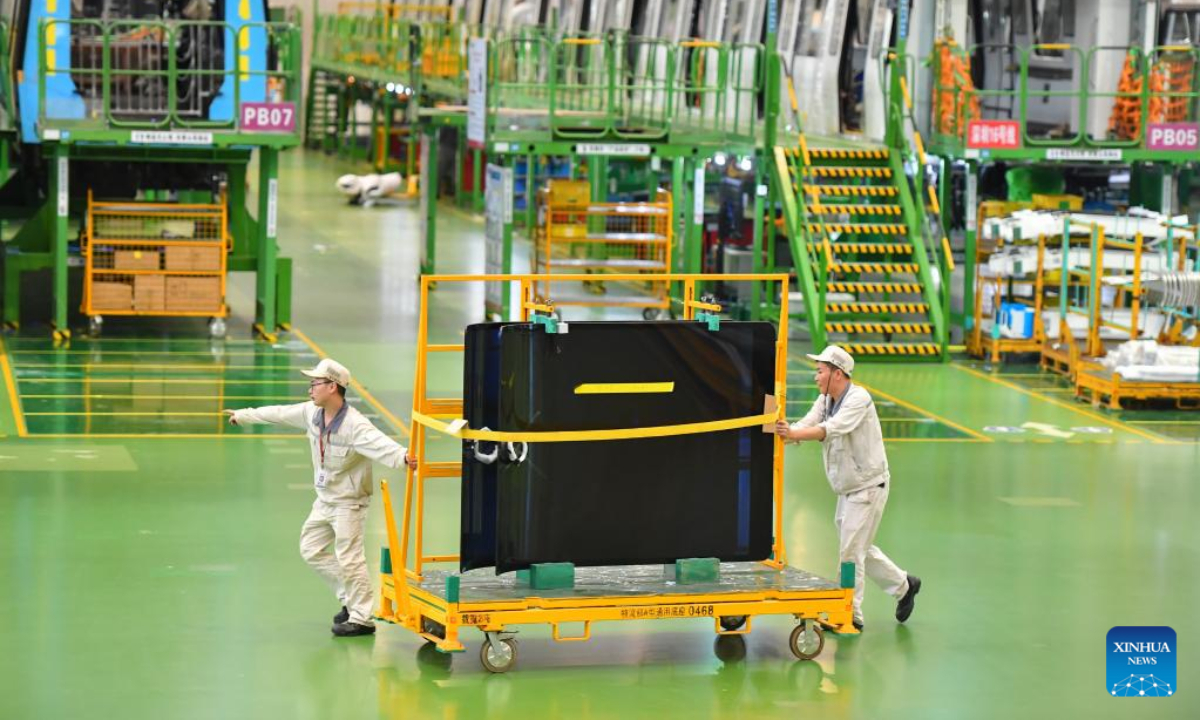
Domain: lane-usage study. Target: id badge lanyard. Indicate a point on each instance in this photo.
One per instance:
(321, 438)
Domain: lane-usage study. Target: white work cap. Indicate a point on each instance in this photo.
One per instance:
(330, 370)
(836, 357)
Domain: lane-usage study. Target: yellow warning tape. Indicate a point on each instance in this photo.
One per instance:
(591, 435)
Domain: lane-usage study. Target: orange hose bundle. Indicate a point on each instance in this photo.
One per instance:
(1125, 121)
(1170, 81)
(955, 101)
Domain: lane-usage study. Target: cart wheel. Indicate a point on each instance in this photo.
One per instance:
(730, 648)
(807, 640)
(217, 328)
(498, 657)
(651, 314)
(95, 325)
(729, 623)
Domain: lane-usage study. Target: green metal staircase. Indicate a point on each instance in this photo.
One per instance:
(865, 241)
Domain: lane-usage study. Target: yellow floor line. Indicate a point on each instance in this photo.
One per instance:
(1090, 415)
(961, 428)
(395, 421)
(11, 386)
(1162, 422)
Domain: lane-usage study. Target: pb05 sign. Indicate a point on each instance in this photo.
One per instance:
(268, 117)
(1173, 136)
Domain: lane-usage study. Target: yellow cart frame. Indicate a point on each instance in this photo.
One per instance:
(439, 617)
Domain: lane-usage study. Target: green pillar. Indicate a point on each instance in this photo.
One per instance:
(969, 260)
(530, 195)
(239, 222)
(679, 202)
(429, 192)
(268, 202)
(12, 291)
(695, 237)
(60, 195)
(757, 245)
(477, 176)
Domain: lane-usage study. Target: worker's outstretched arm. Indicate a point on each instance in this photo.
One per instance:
(289, 415)
(370, 442)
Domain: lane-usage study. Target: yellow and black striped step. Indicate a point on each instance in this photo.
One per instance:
(870, 267)
(860, 228)
(891, 348)
(846, 172)
(862, 248)
(849, 190)
(866, 326)
(856, 209)
(835, 154)
(877, 307)
(873, 287)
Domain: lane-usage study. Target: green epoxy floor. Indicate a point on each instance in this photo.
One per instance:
(159, 577)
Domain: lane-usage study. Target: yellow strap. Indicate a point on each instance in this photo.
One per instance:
(584, 435)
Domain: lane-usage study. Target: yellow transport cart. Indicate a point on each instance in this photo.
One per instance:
(576, 235)
(437, 604)
(145, 259)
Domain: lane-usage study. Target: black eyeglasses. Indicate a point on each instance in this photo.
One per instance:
(320, 382)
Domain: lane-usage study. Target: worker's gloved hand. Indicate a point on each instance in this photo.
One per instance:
(232, 416)
(783, 430)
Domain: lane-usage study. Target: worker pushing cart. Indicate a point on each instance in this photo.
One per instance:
(843, 419)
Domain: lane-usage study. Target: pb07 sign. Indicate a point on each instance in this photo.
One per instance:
(1173, 136)
(268, 117)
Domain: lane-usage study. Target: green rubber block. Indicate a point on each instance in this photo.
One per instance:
(523, 576)
(452, 588)
(847, 575)
(552, 576)
(385, 561)
(690, 571)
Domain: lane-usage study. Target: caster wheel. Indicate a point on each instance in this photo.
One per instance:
(730, 648)
(729, 623)
(651, 314)
(217, 328)
(807, 640)
(95, 325)
(498, 657)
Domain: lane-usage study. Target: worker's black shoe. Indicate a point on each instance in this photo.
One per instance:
(341, 617)
(858, 625)
(351, 629)
(904, 608)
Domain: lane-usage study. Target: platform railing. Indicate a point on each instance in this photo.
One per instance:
(157, 74)
(1130, 90)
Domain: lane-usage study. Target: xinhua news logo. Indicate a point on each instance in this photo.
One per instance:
(1141, 662)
